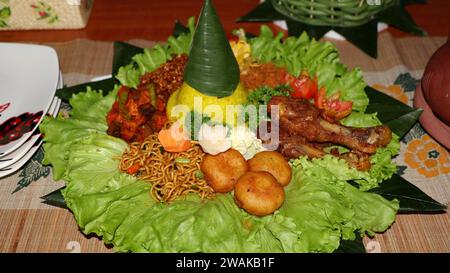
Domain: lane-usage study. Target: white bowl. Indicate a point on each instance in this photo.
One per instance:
(17, 154)
(28, 81)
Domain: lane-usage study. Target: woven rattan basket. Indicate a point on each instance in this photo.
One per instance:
(339, 13)
(44, 14)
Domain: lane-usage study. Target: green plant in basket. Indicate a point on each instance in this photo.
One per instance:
(344, 13)
(5, 13)
(356, 20)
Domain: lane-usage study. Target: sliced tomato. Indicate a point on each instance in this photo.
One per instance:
(304, 87)
(335, 110)
(320, 98)
(340, 106)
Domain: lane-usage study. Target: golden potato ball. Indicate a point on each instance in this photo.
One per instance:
(274, 163)
(222, 171)
(258, 193)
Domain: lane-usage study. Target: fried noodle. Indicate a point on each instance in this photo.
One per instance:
(172, 175)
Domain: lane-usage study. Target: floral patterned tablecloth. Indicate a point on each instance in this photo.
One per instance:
(27, 225)
(421, 156)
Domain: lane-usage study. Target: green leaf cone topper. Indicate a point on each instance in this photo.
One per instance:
(212, 68)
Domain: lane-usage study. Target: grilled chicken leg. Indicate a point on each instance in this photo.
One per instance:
(300, 117)
(294, 146)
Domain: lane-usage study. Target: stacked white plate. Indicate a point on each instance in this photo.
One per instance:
(29, 77)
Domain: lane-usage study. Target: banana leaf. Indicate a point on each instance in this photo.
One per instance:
(352, 246)
(55, 198)
(106, 85)
(212, 68)
(399, 18)
(412, 199)
(264, 12)
(179, 29)
(123, 52)
(297, 28)
(397, 115)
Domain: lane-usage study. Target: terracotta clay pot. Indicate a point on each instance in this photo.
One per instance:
(436, 83)
(433, 95)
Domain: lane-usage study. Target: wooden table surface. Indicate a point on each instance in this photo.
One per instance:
(153, 20)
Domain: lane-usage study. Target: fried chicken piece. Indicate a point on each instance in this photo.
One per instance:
(300, 117)
(128, 117)
(294, 146)
(357, 160)
(139, 112)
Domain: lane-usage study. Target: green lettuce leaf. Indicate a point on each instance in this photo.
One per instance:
(318, 58)
(88, 115)
(382, 165)
(128, 75)
(318, 212)
(334, 209)
(350, 86)
(361, 120)
(92, 105)
(373, 213)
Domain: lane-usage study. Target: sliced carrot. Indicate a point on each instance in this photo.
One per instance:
(134, 168)
(184, 146)
(174, 141)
